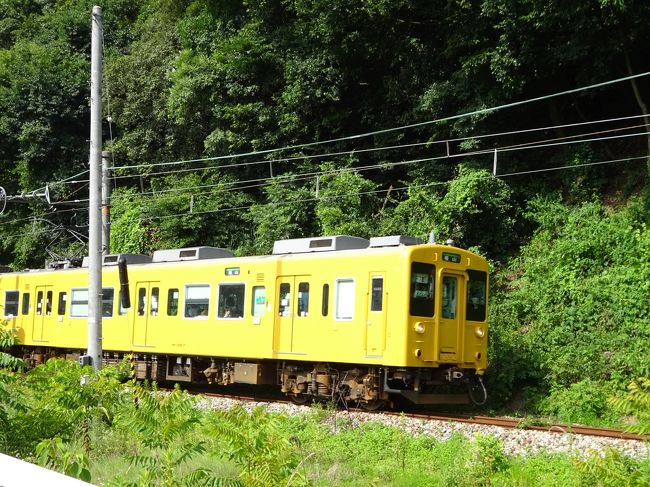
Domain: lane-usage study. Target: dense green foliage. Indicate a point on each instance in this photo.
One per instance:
(202, 93)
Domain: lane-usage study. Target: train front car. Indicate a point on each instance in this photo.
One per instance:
(444, 291)
(397, 317)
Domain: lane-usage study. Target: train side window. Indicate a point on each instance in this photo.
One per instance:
(326, 297)
(476, 295)
(48, 303)
(172, 302)
(39, 303)
(155, 292)
(259, 301)
(62, 302)
(377, 294)
(142, 300)
(11, 303)
(231, 301)
(25, 309)
(121, 309)
(79, 303)
(344, 300)
(303, 299)
(422, 289)
(284, 304)
(197, 300)
(108, 294)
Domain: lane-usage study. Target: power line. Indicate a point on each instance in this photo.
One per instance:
(347, 152)
(435, 183)
(241, 185)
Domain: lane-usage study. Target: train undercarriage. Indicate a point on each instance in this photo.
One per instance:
(366, 386)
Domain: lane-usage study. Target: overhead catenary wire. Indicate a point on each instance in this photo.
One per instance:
(244, 184)
(340, 195)
(346, 152)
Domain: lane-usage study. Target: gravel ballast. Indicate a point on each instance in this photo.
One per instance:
(515, 441)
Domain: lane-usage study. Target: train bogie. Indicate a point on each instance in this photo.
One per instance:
(330, 317)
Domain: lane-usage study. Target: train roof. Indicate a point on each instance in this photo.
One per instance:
(333, 246)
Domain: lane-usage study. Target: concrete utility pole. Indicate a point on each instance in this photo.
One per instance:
(106, 202)
(94, 208)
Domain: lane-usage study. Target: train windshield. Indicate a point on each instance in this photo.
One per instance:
(422, 289)
(476, 295)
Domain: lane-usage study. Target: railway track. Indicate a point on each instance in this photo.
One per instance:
(503, 422)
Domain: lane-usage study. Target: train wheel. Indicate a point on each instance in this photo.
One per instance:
(372, 405)
(299, 398)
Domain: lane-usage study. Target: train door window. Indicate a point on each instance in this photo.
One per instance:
(142, 300)
(62, 301)
(259, 301)
(344, 300)
(326, 298)
(422, 289)
(449, 299)
(11, 303)
(172, 302)
(377, 294)
(284, 306)
(197, 300)
(153, 309)
(48, 303)
(108, 295)
(476, 295)
(231, 301)
(79, 303)
(121, 309)
(303, 299)
(25, 309)
(39, 303)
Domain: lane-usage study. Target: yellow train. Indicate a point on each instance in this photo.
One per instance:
(332, 317)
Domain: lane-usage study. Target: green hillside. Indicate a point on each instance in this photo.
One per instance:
(234, 124)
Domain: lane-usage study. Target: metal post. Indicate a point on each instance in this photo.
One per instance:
(94, 209)
(106, 202)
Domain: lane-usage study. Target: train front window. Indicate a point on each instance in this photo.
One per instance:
(231, 301)
(11, 303)
(422, 289)
(476, 295)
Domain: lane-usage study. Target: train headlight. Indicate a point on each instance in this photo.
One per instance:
(479, 332)
(419, 327)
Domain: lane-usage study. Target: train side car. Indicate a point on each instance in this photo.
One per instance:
(332, 317)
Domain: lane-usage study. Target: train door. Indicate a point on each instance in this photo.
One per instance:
(376, 322)
(450, 317)
(146, 312)
(42, 313)
(292, 314)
